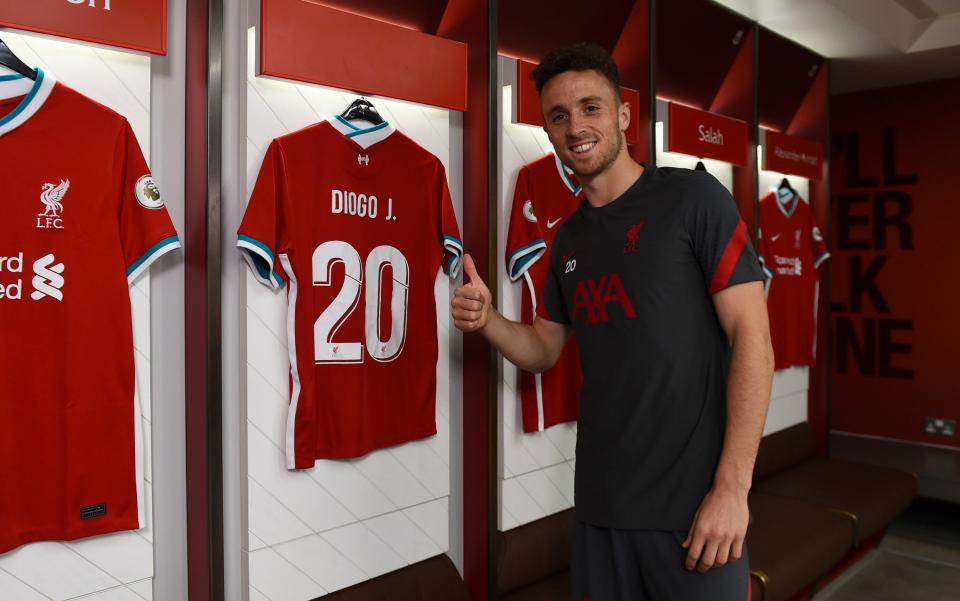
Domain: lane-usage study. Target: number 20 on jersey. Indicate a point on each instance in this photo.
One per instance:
(337, 312)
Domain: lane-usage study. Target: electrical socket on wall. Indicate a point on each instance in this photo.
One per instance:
(940, 427)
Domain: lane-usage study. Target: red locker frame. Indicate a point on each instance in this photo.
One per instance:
(395, 50)
(794, 98)
(706, 58)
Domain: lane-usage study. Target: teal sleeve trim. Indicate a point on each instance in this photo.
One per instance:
(258, 244)
(153, 250)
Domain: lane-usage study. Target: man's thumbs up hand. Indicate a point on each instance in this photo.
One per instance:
(471, 302)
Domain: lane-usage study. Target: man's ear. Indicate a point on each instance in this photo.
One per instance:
(624, 115)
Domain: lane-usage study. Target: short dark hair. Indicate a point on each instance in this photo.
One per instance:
(579, 57)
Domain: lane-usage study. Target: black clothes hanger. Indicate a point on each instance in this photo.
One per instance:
(9, 59)
(362, 109)
(700, 166)
(785, 185)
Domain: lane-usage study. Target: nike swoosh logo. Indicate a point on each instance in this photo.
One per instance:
(774, 238)
(550, 224)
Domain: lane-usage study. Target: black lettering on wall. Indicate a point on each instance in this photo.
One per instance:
(854, 179)
(883, 219)
(888, 347)
(846, 221)
(864, 282)
(849, 343)
(890, 176)
(871, 346)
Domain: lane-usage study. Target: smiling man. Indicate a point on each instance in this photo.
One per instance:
(656, 276)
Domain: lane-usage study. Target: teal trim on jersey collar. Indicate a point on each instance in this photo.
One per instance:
(358, 131)
(793, 206)
(368, 130)
(26, 99)
(566, 176)
(12, 77)
(347, 123)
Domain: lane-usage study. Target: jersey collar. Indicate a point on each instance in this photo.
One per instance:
(364, 137)
(34, 93)
(566, 174)
(792, 203)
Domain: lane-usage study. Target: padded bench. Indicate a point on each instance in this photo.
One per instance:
(870, 496)
(791, 543)
(435, 579)
(809, 513)
(533, 560)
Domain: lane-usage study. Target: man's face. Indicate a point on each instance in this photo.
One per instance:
(584, 120)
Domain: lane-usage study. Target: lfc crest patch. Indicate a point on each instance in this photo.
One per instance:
(52, 198)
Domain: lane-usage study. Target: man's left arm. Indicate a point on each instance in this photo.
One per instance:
(720, 524)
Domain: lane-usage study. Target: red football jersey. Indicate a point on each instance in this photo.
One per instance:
(82, 218)
(791, 250)
(545, 195)
(352, 219)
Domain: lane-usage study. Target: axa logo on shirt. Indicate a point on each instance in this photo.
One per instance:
(594, 297)
(47, 281)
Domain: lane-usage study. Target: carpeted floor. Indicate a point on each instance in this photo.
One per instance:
(918, 560)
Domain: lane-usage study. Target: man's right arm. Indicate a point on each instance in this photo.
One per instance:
(530, 347)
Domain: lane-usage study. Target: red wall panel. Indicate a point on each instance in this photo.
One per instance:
(467, 21)
(895, 260)
(298, 40)
(134, 24)
(735, 98)
(632, 54)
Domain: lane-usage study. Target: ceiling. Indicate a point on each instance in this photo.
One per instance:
(873, 43)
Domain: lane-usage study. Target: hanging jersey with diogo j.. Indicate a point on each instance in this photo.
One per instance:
(546, 194)
(82, 217)
(357, 222)
(791, 250)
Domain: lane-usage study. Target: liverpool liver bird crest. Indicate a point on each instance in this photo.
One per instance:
(52, 195)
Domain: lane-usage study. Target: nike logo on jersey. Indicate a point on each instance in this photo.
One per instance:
(774, 238)
(550, 223)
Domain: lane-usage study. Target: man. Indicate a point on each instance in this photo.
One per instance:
(656, 276)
